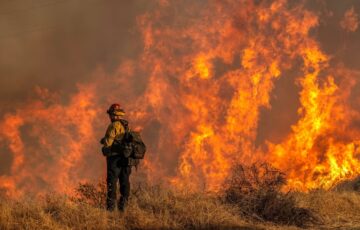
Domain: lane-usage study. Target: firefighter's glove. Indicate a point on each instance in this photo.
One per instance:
(106, 151)
(102, 141)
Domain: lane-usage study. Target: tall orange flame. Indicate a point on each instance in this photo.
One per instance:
(197, 91)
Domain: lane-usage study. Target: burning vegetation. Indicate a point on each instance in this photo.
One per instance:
(206, 72)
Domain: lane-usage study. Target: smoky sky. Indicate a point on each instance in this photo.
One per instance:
(56, 44)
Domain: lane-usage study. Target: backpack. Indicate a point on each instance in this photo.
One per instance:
(132, 146)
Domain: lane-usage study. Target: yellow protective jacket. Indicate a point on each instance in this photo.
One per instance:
(115, 131)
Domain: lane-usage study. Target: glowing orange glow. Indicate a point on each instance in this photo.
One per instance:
(202, 68)
(55, 138)
(223, 132)
(197, 92)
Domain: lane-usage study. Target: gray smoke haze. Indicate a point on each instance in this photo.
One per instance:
(58, 43)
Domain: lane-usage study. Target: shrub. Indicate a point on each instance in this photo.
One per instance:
(351, 185)
(91, 194)
(256, 190)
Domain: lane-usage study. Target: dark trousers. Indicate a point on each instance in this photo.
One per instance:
(117, 169)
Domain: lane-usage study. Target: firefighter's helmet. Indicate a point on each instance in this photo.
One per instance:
(115, 110)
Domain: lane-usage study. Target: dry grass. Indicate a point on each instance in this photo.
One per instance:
(251, 201)
(337, 209)
(149, 208)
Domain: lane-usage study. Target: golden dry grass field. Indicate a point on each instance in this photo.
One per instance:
(155, 207)
(339, 211)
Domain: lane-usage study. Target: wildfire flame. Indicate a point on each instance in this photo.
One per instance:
(209, 71)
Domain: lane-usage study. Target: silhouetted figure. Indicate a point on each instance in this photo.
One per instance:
(118, 165)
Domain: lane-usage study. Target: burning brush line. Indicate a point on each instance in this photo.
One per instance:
(196, 91)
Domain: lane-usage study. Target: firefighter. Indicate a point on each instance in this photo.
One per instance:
(117, 164)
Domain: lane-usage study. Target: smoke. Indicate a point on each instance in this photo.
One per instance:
(350, 21)
(58, 43)
(63, 62)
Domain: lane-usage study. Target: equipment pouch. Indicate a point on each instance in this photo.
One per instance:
(127, 150)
